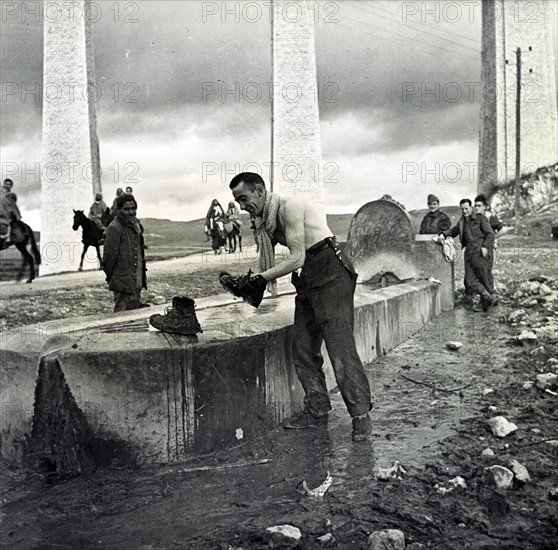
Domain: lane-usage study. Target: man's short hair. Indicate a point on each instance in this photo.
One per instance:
(250, 179)
(481, 198)
(125, 198)
(465, 201)
(8, 180)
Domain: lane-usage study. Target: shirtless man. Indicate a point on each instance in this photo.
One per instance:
(324, 305)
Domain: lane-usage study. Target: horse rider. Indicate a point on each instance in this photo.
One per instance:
(6, 186)
(214, 217)
(233, 215)
(119, 193)
(9, 211)
(98, 208)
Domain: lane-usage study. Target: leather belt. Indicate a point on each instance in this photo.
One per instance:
(315, 249)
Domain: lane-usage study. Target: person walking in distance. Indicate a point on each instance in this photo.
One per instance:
(124, 257)
(324, 302)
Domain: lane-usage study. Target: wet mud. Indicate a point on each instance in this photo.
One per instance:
(430, 414)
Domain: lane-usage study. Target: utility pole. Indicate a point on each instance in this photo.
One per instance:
(517, 139)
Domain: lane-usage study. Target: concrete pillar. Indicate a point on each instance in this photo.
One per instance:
(71, 168)
(507, 26)
(296, 146)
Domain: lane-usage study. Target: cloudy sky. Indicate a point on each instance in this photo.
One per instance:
(399, 102)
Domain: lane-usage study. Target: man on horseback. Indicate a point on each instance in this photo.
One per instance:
(98, 210)
(11, 213)
(13, 231)
(6, 186)
(214, 227)
(119, 193)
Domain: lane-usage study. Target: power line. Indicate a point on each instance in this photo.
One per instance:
(422, 31)
(427, 25)
(407, 38)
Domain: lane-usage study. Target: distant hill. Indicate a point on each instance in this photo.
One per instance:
(168, 233)
(169, 237)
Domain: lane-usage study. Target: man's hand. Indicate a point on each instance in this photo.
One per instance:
(484, 252)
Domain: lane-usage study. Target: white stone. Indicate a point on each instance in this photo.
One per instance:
(544, 289)
(387, 539)
(546, 380)
(486, 391)
(521, 473)
(328, 537)
(516, 315)
(552, 361)
(552, 442)
(454, 345)
(527, 336)
(500, 426)
(530, 287)
(546, 334)
(393, 472)
(493, 409)
(288, 532)
(528, 385)
(501, 476)
(488, 452)
(451, 485)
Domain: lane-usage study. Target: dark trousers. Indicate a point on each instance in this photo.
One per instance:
(324, 311)
(489, 266)
(124, 301)
(476, 272)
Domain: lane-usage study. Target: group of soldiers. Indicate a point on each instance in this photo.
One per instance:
(478, 230)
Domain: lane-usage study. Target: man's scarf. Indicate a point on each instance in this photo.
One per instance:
(266, 224)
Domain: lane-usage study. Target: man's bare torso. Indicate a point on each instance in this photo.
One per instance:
(315, 222)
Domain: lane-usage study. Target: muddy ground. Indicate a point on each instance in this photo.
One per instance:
(431, 414)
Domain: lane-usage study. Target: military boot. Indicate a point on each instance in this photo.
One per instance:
(249, 287)
(180, 319)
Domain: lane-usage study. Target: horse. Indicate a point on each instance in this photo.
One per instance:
(218, 237)
(106, 218)
(20, 237)
(232, 231)
(91, 235)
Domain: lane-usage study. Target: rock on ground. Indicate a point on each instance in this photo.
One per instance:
(387, 539)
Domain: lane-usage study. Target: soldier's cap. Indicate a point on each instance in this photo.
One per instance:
(432, 198)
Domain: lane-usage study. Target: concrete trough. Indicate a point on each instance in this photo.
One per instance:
(107, 390)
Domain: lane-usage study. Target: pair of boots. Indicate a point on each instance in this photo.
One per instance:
(180, 319)
(362, 424)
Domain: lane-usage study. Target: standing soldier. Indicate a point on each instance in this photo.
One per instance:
(435, 221)
(482, 207)
(477, 238)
